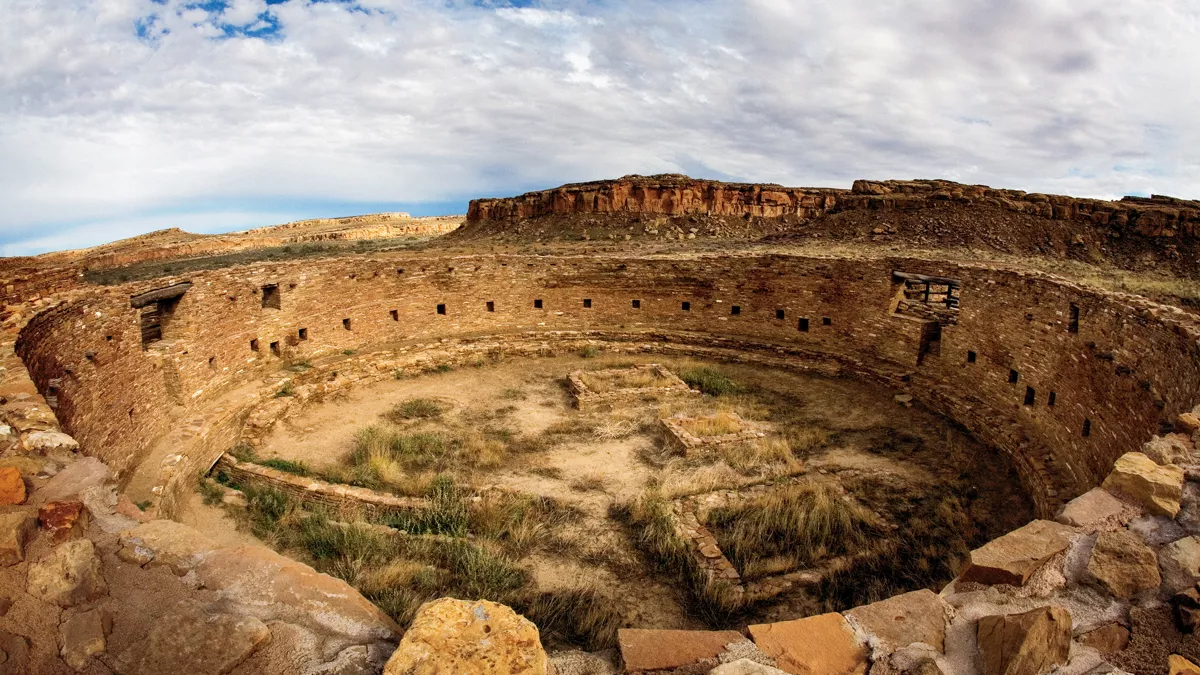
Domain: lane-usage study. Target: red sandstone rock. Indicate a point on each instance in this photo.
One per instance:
(645, 650)
(12, 486)
(1012, 558)
(60, 519)
(817, 645)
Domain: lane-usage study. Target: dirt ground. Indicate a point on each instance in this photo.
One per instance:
(624, 456)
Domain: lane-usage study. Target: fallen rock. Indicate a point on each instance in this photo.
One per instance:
(101, 502)
(61, 519)
(1188, 423)
(190, 639)
(1169, 449)
(745, 667)
(817, 645)
(165, 542)
(919, 616)
(1024, 644)
(15, 649)
(265, 584)
(1179, 563)
(472, 638)
(648, 649)
(1158, 489)
(72, 481)
(1093, 510)
(84, 636)
(49, 442)
(1012, 558)
(1177, 665)
(1123, 565)
(12, 486)
(16, 527)
(69, 575)
(1108, 639)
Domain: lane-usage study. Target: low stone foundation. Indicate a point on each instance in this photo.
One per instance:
(680, 437)
(313, 491)
(587, 398)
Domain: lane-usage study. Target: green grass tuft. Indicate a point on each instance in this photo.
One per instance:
(710, 381)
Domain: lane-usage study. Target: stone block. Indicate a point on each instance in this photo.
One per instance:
(84, 636)
(12, 486)
(1108, 639)
(69, 575)
(1032, 643)
(1093, 510)
(647, 650)
(1012, 558)
(62, 519)
(817, 645)
(16, 528)
(1188, 423)
(1156, 488)
(457, 636)
(193, 640)
(1179, 563)
(919, 616)
(1177, 665)
(1123, 565)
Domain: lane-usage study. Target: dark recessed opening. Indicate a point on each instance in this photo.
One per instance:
(302, 333)
(826, 321)
(254, 345)
(803, 325)
(1073, 325)
(346, 324)
(587, 303)
(1013, 376)
(735, 310)
(537, 304)
(491, 306)
(1087, 428)
(1051, 399)
(275, 348)
(637, 304)
(779, 314)
(1029, 316)
(395, 314)
(441, 309)
(1030, 395)
(271, 297)
(972, 357)
(108, 338)
(399, 270)
(212, 363)
(687, 306)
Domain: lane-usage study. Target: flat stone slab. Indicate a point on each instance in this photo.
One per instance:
(1012, 558)
(1179, 562)
(1095, 510)
(919, 616)
(1157, 488)
(1123, 565)
(817, 645)
(646, 649)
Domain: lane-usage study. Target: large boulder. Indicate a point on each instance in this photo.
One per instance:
(165, 542)
(1012, 558)
(1094, 510)
(919, 616)
(265, 584)
(1032, 643)
(817, 645)
(12, 486)
(69, 575)
(1123, 565)
(648, 650)
(1179, 562)
(1158, 489)
(468, 638)
(16, 527)
(193, 640)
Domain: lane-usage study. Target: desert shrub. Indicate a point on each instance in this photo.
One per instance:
(709, 380)
(287, 466)
(448, 512)
(590, 483)
(552, 472)
(285, 391)
(412, 450)
(209, 491)
(416, 408)
(589, 352)
(807, 521)
(580, 616)
(517, 521)
(266, 507)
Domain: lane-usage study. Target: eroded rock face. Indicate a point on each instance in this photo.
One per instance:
(1158, 489)
(15, 649)
(1169, 449)
(817, 645)
(62, 519)
(1012, 558)
(72, 481)
(193, 640)
(1123, 565)
(1024, 644)
(69, 575)
(919, 616)
(165, 542)
(745, 667)
(50, 442)
(471, 638)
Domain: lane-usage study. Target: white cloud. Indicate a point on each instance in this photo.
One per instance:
(427, 100)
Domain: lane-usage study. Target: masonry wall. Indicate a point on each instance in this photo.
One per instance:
(1130, 365)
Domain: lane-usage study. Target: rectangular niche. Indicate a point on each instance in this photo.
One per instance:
(271, 297)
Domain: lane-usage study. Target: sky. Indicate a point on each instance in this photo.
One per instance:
(119, 117)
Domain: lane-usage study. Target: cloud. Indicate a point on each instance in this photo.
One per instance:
(114, 110)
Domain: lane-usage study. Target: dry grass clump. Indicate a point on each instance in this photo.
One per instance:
(630, 379)
(415, 409)
(807, 521)
(590, 483)
(720, 424)
(717, 476)
(611, 428)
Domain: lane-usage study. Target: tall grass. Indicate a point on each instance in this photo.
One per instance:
(709, 380)
(719, 424)
(415, 409)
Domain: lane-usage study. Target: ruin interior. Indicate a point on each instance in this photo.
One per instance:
(913, 426)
